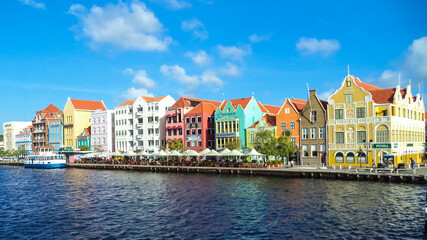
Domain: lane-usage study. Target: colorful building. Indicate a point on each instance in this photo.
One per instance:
(200, 126)
(123, 126)
(84, 139)
(41, 123)
(366, 123)
(313, 126)
(102, 130)
(76, 118)
(10, 130)
(55, 135)
(23, 139)
(175, 117)
(267, 122)
(232, 117)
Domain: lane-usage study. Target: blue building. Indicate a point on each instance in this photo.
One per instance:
(55, 135)
(23, 140)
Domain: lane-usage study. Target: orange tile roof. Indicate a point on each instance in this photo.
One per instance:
(270, 120)
(367, 87)
(50, 111)
(203, 107)
(236, 102)
(299, 104)
(272, 109)
(185, 102)
(87, 104)
(127, 103)
(261, 106)
(153, 99)
(26, 130)
(87, 131)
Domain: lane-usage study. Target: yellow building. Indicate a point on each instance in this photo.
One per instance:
(366, 123)
(77, 118)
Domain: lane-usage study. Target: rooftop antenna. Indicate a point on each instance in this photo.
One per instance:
(348, 69)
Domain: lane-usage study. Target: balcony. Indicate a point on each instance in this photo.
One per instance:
(38, 131)
(129, 115)
(139, 125)
(69, 125)
(139, 114)
(140, 136)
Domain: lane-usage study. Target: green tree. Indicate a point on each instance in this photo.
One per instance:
(284, 147)
(21, 151)
(175, 144)
(84, 148)
(1, 138)
(265, 142)
(233, 144)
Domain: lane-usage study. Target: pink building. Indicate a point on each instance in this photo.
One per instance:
(175, 117)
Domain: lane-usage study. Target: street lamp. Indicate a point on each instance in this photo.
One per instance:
(367, 146)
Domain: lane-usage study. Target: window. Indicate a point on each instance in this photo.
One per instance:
(252, 137)
(314, 150)
(313, 116)
(321, 133)
(360, 112)
(305, 133)
(103, 129)
(361, 136)
(174, 132)
(188, 143)
(180, 131)
(339, 158)
(305, 150)
(348, 98)
(292, 125)
(193, 119)
(169, 132)
(199, 119)
(322, 148)
(187, 131)
(283, 126)
(199, 143)
(339, 137)
(313, 132)
(187, 120)
(350, 157)
(199, 131)
(382, 136)
(361, 158)
(339, 113)
(287, 110)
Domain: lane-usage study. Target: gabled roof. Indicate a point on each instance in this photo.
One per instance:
(271, 108)
(50, 111)
(270, 120)
(367, 87)
(298, 104)
(243, 102)
(183, 102)
(26, 130)
(127, 103)
(324, 104)
(203, 107)
(86, 131)
(87, 104)
(153, 99)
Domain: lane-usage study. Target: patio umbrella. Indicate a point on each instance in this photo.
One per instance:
(161, 153)
(190, 152)
(213, 153)
(117, 154)
(130, 153)
(254, 152)
(235, 153)
(204, 152)
(225, 152)
(174, 153)
(143, 153)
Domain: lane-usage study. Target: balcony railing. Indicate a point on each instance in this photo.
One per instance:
(140, 136)
(139, 113)
(140, 125)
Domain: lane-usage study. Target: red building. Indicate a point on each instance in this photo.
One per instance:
(200, 126)
(175, 117)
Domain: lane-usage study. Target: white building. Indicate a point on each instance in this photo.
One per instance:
(24, 140)
(140, 124)
(102, 130)
(10, 130)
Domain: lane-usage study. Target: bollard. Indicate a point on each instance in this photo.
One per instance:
(340, 167)
(349, 167)
(334, 167)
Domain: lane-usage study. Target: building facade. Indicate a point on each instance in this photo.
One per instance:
(232, 117)
(41, 122)
(313, 126)
(76, 118)
(267, 122)
(102, 131)
(10, 130)
(366, 123)
(199, 127)
(175, 117)
(55, 135)
(23, 140)
(84, 139)
(123, 126)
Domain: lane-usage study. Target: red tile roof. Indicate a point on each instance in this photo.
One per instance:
(272, 109)
(298, 104)
(87, 131)
(367, 87)
(243, 102)
(203, 107)
(127, 103)
(153, 99)
(261, 106)
(50, 111)
(87, 104)
(26, 130)
(270, 120)
(183, 102)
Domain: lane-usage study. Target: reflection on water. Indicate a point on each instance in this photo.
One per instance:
(84, 204)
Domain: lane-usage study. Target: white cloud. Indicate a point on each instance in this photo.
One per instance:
(326, 94)
(33, 3)
(196, 27)
(311, 46)
(141, 78)
(416, 59)
(126, 26)
(200, 58)
(173, 4)
(133, 93)
(259, 38)
(209, 77)
(233, 52)
(178, 73)
(230, 70)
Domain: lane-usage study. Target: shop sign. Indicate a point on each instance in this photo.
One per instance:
(396, 145)
(381, 145)
(226, 135)
(410, 145)
(287, 133)
(7, 125)
(423, 144)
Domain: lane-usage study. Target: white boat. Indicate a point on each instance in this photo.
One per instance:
(45, 158)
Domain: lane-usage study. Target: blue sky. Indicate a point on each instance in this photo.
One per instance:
(116, 50)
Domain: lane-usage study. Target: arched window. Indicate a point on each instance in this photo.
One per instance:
(350, 157)
(339, 158)
(361, 158)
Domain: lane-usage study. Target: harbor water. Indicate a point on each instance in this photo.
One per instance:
(106, 204)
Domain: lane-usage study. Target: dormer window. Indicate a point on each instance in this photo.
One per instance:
(348, 83)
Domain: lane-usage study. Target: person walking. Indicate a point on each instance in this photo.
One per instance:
(412, 163)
